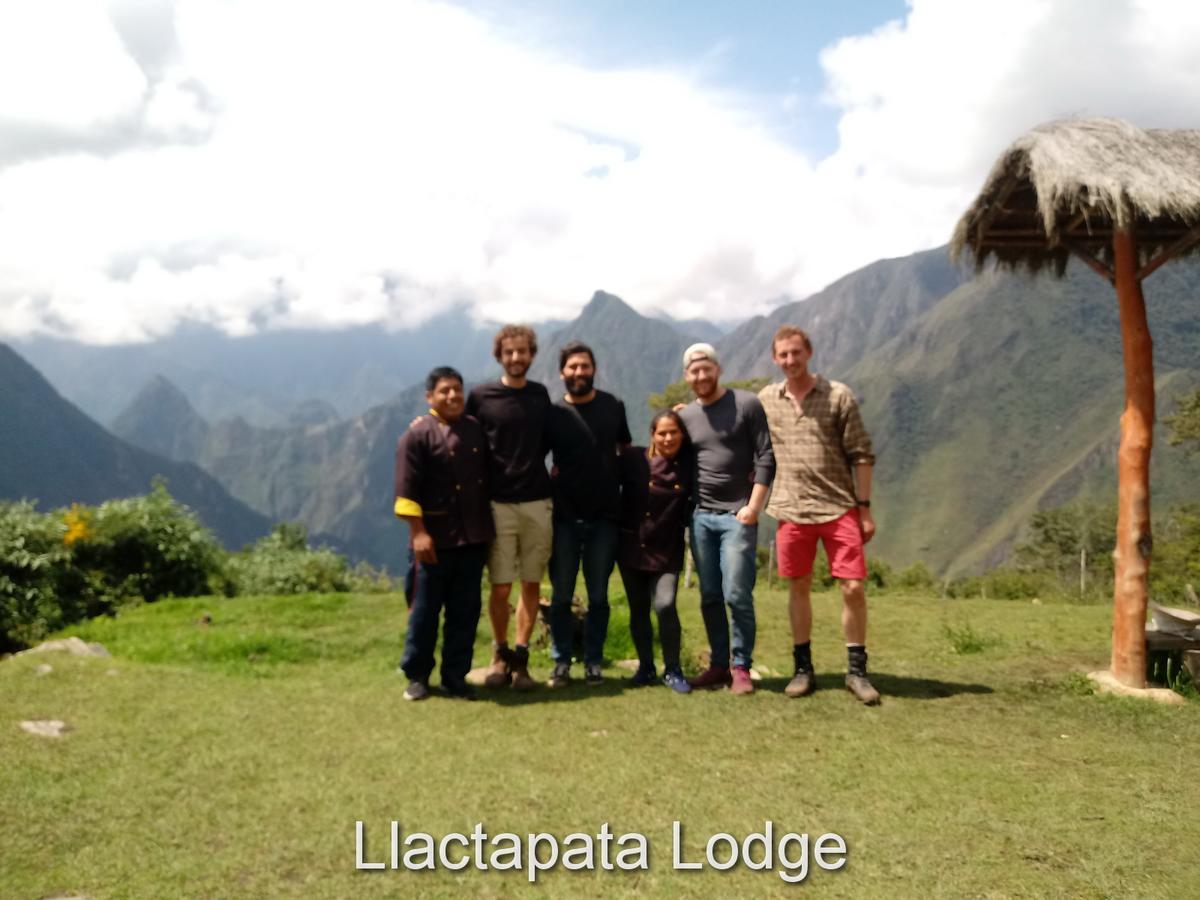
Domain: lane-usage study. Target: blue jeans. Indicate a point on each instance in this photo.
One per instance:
(453, 583)
(594, 544)
(724, 551)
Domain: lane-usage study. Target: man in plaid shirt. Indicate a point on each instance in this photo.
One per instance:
(822, 491)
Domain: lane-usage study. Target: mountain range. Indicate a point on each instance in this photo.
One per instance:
(987, 396)
(52, 453)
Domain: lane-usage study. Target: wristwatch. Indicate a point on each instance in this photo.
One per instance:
(866, 504)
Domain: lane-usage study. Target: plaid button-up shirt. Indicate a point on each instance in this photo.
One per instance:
(816, 448)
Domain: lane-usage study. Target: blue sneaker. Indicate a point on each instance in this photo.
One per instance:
(644, 677)
(674, 679)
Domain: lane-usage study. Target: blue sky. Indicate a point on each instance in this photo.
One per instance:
(254, 164)
(766, 49)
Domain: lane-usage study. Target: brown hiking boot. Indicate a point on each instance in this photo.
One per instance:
(521, 680)
(861, 688)
(711, 678)
(499, 674)
(802, 684)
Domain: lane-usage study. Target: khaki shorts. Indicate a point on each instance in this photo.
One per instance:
(523, 541)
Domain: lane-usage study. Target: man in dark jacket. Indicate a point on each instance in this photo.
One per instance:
(441, 492)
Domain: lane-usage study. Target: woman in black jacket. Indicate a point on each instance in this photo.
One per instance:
(656, 489)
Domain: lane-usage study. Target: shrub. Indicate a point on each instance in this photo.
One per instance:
(879, 573)
(366, 579)
(1005, 584)
(39, 590)
(283, 563)
(965, 639)
(147, 547)
(915, 578)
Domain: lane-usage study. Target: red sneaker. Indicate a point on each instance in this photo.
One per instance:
(711, 678)
(741, 681)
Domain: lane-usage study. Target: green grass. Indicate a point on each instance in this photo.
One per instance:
(233, 757)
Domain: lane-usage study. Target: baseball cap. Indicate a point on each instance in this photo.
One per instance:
(700, 351)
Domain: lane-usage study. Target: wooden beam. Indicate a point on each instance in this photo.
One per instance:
(1093, 262)
(993, 210)
(1167, 253)
(1019, 243)
(1134, 542)
(1080, 218)
(1039, 232)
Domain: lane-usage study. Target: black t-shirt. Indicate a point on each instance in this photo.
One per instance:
(586, 437)
(515, 421)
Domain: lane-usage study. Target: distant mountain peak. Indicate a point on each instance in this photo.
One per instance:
(162, 420)
(160, 392)
(604, 302)
(159, 398)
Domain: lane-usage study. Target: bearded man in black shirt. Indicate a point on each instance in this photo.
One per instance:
(589, 429)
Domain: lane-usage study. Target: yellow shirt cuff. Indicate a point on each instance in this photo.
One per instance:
(406, 507)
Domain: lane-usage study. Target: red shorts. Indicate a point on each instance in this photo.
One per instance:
(797, 547)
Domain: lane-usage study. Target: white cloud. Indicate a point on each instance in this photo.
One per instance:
(270, 164)
(63, 67)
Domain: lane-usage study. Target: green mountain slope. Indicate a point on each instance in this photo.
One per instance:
(856, 314)
(52, 453)
(1003, 398)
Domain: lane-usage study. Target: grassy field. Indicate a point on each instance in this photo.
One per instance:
(234, 758)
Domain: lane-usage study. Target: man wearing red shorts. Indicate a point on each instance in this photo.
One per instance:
(822, 492)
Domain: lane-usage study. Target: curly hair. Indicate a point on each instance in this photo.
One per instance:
(509, 332)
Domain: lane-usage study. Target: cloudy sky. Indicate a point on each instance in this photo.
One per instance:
(281, 164)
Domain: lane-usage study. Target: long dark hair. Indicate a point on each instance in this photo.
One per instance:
(684, 445)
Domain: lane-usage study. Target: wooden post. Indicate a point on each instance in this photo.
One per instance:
(771, 564)
(1134, 543)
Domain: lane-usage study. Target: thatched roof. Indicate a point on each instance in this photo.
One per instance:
(1061, 188)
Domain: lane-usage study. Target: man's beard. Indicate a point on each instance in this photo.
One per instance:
(516, 369)
(580, 385)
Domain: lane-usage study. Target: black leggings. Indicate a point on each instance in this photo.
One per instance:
(657, 588)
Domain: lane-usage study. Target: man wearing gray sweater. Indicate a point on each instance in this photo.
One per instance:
(734, 470)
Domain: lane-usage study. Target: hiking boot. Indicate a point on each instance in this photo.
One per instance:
(740, 681)
(593, 674)
(644, 677)
(416, 690)
(803, 683)
(674, 679)
(499, 673)
(459, 690)
(521, 680)
(711, 678)
(861, 688)
(561, 677)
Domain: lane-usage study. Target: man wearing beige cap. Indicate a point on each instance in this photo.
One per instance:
(734, 470)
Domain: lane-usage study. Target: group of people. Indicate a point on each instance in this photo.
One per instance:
(473, 485)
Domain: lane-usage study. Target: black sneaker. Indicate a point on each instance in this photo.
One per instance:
(561, 677)
(459, 690)
(644, 677)
(416, 690)
(592, 674)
